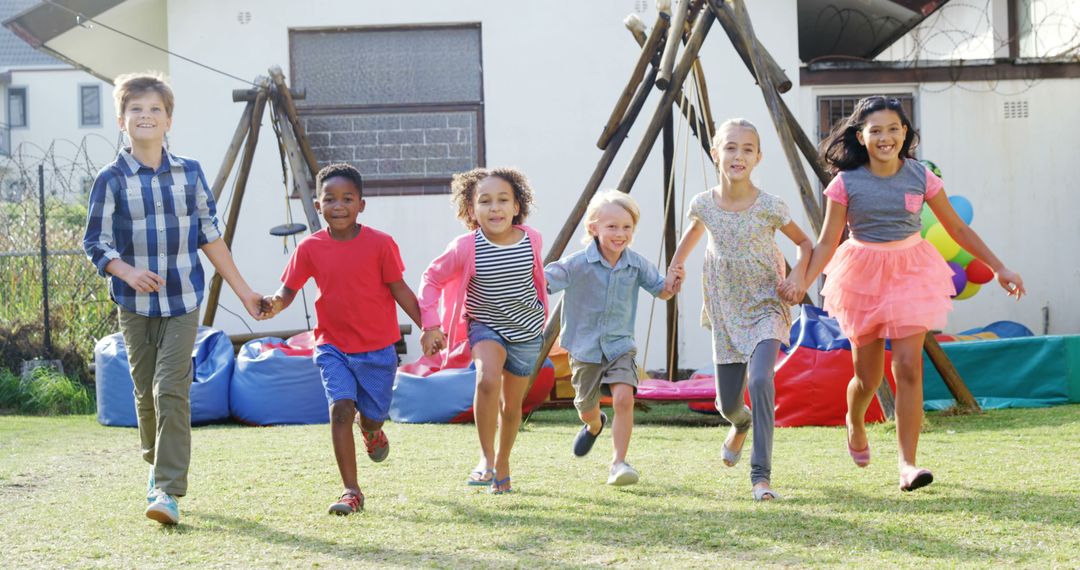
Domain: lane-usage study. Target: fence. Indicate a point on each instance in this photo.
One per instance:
(43, 270)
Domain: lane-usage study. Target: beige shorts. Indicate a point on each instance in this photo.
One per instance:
(590, 379)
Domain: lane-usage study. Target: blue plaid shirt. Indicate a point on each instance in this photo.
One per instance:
(155, 220)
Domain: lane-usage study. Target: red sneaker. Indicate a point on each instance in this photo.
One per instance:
(348, 503)
(378, 447)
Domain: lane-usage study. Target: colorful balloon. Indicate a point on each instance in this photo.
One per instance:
(968, 292)
(959, 278)
(928, 219)
(963, 208)
(940, 239)
(978, 272)
(963, 258)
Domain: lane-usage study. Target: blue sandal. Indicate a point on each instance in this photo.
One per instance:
(498, 484)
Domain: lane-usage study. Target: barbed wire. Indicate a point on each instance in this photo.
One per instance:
(1048, 30)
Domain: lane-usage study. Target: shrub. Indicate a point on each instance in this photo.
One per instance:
(46, 392)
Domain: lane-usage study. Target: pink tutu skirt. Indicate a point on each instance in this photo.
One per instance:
(887, 290)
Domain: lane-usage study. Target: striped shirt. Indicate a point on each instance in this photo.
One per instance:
(502, 295)
(155, 220)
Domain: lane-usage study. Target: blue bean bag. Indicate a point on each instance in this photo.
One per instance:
(213, 362)
(274, 384)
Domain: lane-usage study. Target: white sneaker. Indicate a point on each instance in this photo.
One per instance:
(622, 474)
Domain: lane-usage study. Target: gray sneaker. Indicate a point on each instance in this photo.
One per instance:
(622, 474)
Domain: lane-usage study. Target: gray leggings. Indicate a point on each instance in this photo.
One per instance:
(731, 381)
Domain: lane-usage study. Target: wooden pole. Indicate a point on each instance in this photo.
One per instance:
(285, 97)
(233, 149)
(671, 47)
(697, 126)
(670, 242)
(949, 374)
(603, 165)
(649, 50)
(768, 89)
(238, 195)
(701, 29)
(303, 179)
(726, 17)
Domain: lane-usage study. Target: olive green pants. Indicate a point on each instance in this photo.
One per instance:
(159, 355)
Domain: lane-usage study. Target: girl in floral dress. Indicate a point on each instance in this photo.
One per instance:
(743, 272)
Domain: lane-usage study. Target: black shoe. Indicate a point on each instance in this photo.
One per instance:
(584, 440)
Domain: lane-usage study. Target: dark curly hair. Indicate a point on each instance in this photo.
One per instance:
(463, 192)
(841, 149)
(346, 171)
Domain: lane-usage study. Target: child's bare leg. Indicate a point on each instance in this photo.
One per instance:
(622, 399)
(907, 370)
(342, 413)
(869, 361)
(489, 357)
(513, 393)
(592, 419)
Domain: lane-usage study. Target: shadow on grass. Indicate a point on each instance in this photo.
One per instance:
(349, 552)
(709, 530)
(994, 504)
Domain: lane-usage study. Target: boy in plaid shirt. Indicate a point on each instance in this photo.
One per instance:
(150, 214)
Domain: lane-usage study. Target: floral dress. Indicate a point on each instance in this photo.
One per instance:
(743, 267)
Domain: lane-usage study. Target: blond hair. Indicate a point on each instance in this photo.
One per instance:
(130, 85)
(604, 198)
(736, 123)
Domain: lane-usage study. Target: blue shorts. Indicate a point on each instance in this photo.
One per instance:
(366, 378)
(520, 356)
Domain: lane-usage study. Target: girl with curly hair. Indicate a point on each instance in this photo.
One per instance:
(490, 284)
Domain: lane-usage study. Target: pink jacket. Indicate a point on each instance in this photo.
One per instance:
(444, 283)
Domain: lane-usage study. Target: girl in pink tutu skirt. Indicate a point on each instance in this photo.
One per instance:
(886, 282)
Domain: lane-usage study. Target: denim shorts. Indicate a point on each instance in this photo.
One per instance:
(366, 378)
(520, 356)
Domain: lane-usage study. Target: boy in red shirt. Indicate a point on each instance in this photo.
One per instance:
(358, 271)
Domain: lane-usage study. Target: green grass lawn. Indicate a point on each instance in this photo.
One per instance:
(1007, 492)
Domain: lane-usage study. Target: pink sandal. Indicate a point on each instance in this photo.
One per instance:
(861, 457)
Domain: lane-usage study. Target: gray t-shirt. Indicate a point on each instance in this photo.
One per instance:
(882, 209)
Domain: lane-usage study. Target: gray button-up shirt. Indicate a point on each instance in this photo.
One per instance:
(600, 303)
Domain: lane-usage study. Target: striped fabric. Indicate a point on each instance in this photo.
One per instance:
(155, 220)
(501, 294)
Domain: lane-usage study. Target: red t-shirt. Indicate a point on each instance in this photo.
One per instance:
(354, 307)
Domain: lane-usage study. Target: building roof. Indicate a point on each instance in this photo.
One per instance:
(14, 52)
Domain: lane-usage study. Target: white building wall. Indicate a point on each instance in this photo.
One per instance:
(552, 72)
(53, 117)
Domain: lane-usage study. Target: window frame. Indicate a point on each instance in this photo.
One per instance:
(82, 108)
(25, 106)
(404, 186)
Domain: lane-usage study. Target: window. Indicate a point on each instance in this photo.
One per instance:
(16, 107)
(402, 104)
(89, 105)
(833, 109)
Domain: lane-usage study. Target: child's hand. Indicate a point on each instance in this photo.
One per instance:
(791, 290)
(432, 341)
(675, 276)
(1011, 282)
(268, 306)
(142, 280)
(253, 302)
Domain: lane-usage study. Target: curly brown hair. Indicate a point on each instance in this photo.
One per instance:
(463, 192)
